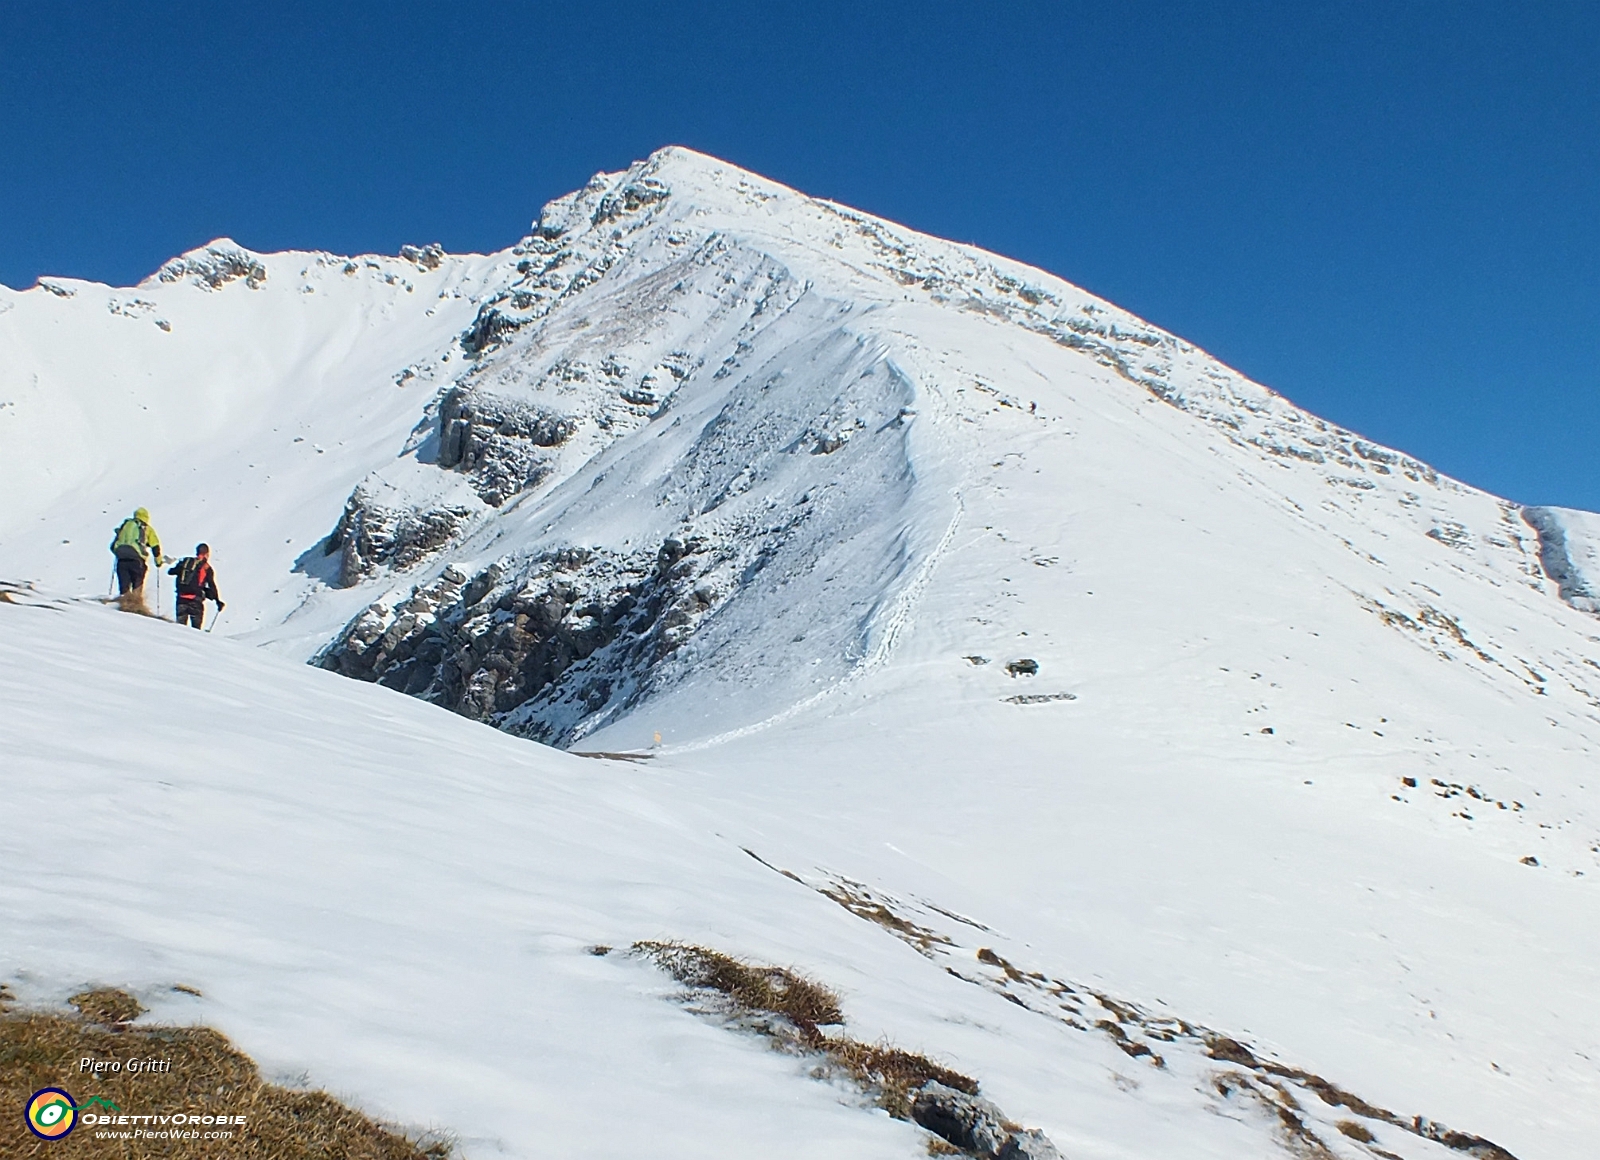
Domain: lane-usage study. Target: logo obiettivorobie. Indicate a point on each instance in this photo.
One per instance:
(52, 1113)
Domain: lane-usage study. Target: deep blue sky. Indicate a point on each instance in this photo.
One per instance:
(1390, 212)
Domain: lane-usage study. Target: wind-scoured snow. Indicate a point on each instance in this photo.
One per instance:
(913, 569)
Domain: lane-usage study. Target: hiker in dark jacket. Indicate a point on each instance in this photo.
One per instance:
(134, 538)
(197, 583)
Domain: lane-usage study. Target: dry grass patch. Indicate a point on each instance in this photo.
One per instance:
(1357, 1132)
(107, 1007)
(858, 900)
(750, 988)
(205, 1075)
(889, 1074)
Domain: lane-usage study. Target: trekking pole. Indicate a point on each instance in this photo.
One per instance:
(215, 618)
(111, 588)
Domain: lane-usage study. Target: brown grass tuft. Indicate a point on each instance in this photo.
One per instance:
(1230, 1051)
(858, 900)
(207, 1076)
(889, 1074)
(107, 1007)
(1355, 1131)
(776, 990)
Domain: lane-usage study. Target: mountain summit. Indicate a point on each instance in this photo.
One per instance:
(943, 579)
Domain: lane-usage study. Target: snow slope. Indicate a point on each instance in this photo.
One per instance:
(777, 491)
(398, 904)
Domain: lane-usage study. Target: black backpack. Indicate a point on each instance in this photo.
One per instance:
(189, 577)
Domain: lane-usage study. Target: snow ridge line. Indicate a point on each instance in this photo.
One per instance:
(899, 617)
(910, 596)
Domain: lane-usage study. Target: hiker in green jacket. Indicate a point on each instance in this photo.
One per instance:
(134, 538)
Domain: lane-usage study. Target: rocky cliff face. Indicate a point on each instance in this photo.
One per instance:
(539, 645)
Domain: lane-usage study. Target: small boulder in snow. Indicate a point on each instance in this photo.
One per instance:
(968, 1122)
(1030, 1144)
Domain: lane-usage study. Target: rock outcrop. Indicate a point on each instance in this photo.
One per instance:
(372, 534)
(215, 266)
(976, 1126)
(429, 257)
(971, 1123)
(536, 646)
(500, 443)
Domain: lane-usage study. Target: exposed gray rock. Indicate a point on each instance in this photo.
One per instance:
(1029, 1144)
(630, 199)
(429, 257)
(214, 267)
(489, 328)
(498, 442)
(1026, 667)
(975, 1125)
(1556, 559)
(370, 534)
(1451, 534)
(969, 1122)
(561, 258)
(536, 646)
(515, 650)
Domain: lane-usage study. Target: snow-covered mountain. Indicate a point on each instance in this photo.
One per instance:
(912, 569)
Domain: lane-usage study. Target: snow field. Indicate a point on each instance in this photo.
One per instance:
(396, 904)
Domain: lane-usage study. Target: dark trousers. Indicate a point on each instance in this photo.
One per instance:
(130, 574)
(191, 612)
